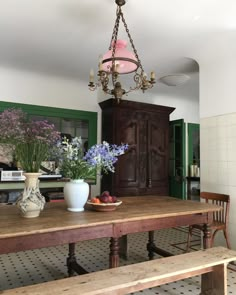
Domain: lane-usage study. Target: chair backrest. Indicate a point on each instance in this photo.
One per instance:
(220, 200)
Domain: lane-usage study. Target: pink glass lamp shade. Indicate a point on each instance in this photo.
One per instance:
(125, 61)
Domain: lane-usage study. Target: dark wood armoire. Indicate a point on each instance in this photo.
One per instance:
(143, 169)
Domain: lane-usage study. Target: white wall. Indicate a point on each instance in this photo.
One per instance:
(218, 163)
(186, 108)
(217, 88)
(31, 88)
(218, 128)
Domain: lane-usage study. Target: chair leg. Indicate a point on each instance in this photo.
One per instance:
(189, 238)
(226, 234)
(213, 234)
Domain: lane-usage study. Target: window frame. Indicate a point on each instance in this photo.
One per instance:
(38, 110)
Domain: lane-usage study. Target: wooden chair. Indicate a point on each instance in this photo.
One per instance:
(221, 218)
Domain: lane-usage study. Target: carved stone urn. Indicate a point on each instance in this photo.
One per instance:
(31, 201)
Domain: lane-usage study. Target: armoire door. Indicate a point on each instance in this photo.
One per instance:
(157, 154)
(127, 171)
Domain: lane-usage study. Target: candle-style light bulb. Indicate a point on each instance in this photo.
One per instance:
(100, 63)
(117, 66)
(91, 76)
(153, 76)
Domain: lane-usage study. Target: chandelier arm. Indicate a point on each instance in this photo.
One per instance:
(138, 81)
(131, 40)
(108, 91)
(104, 80)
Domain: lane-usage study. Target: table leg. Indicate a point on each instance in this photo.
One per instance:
(72, 265)
(207, 236)
(114, 253)
(124, 247)
(152, 248)
(150, 245)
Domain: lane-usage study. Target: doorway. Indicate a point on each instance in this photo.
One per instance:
(177, 163)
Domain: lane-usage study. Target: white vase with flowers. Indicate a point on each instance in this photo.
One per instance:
(80, 166)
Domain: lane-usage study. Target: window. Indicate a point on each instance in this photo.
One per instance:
(67, 121)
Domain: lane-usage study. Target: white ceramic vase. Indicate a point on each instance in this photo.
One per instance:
(76, 194)
(31, 202)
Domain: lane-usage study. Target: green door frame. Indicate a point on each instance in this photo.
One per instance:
(177, 167)
(193, 144)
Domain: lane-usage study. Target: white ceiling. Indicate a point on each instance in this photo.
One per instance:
(65, 37)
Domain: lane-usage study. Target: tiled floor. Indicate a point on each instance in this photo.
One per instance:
(31, 267)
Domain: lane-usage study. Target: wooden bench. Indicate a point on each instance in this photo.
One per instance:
(210, 263)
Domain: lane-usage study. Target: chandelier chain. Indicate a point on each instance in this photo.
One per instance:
(116, 28)
(131, 41)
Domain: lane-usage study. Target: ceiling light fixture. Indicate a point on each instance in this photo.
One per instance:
(174, 80)
(117, 61)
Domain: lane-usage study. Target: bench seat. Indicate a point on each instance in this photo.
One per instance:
(135, 277)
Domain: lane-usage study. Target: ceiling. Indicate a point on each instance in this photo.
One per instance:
(65, 37)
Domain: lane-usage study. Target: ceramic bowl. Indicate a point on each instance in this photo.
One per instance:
(104, 207)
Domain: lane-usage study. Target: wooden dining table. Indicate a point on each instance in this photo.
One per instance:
(57, 226)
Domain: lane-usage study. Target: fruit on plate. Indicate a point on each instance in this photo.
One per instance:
(114, 199)
(105, 193)
(95, 200)
(105, 197)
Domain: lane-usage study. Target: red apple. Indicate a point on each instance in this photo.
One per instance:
(114, 199)
(105, 193)
(110, 199)
(104, 199)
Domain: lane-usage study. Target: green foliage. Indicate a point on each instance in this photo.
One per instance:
(77, 169)
(31, 155)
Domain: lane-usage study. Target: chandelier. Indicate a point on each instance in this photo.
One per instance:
(118, 61)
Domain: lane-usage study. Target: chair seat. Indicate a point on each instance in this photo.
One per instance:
(215, 225)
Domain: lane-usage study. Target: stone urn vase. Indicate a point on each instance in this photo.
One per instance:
(76, 193)
(31, 201)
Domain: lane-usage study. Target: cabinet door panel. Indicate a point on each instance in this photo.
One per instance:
(157, 155)
(143, 125)
(127, 167)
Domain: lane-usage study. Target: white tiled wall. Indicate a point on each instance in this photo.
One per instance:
(218, 163)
